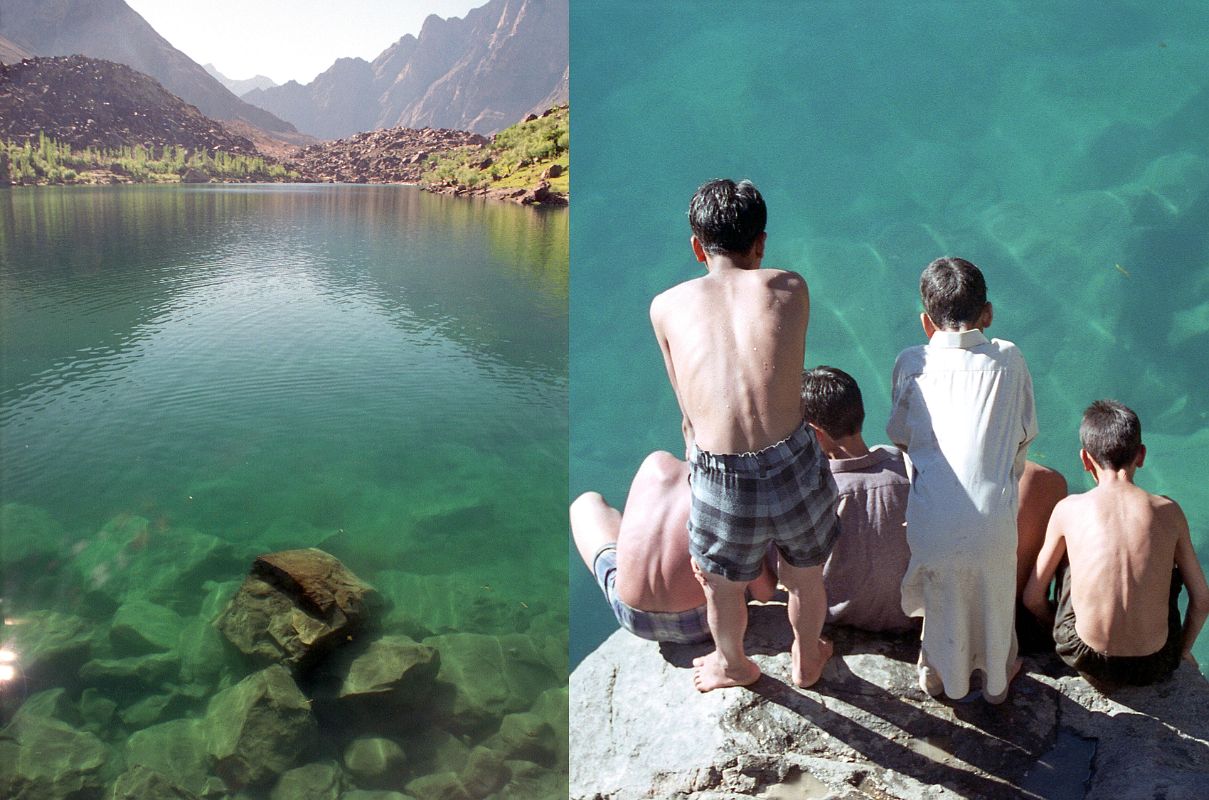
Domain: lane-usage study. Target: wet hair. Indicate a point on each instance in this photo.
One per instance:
(727, 217)
(832, 400)
(954, 292)
(1111, 434)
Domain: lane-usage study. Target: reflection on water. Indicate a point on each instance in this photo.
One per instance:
(192, 376)
(1060, 149)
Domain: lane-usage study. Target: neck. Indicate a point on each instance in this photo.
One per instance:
(726, 262)
(846, 447)
(1106, 476)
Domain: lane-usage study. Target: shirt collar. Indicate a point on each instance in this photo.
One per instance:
(876, 455)
(963, 339)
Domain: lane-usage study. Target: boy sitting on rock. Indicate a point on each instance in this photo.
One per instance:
(1118, 616)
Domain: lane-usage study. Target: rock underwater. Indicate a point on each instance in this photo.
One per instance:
(867, 730)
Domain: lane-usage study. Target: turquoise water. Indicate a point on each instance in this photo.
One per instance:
(1061, 149)
(372, 370)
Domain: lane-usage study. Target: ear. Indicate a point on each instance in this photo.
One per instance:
(929, 326)
(984, 320)
(698, 250)
(757, 247)
(1089, 463)
(1137, 462)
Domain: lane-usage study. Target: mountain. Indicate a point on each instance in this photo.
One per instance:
(111, 30)
(87, 102)
(481, 73)
(11, 53)
(239, 88)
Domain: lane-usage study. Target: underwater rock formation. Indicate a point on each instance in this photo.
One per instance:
(256, 729)
(866, 729)
(137, 695)
(295, 606)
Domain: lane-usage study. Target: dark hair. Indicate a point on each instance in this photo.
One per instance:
(1111, 434)
(954, 292)
(832, 400)
(727, 217)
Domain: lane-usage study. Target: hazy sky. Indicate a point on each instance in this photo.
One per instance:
(294, 40)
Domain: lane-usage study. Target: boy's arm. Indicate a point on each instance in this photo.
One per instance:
(686, 425)
(1194, 581)
(1036, 592)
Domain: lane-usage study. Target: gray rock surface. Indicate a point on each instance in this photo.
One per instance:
(866, 729)
(143, 783)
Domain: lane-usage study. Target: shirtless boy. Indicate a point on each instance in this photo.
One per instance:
(640, 558)
(1118, 618)
(733, 342)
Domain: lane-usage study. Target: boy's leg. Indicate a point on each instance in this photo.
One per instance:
(726, 611)
(807, 613)
(594, 523)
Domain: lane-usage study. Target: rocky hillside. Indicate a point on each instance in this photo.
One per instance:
(527, 163)
(399, 155)
(111, 30)
(481, 73)
(86, 102)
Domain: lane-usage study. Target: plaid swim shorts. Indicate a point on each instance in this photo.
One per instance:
(782, 494)
(680, 627)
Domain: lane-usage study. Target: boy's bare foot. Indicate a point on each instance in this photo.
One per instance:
(708, 673)
(806, 669)
(996, 699)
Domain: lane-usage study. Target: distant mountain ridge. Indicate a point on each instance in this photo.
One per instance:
(481, 73)
(111, 30)
(239, 87)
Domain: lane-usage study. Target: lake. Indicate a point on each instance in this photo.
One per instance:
(192, 376)
(1062, 149)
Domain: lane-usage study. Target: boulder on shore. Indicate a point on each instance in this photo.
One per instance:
(868, 730)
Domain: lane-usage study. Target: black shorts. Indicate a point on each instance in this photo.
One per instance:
(1131, 670)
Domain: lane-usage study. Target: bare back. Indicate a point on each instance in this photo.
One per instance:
(734, 343)
(653, 569)
(1121, 541)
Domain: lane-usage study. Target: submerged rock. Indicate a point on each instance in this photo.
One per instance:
(320, 781)
(141, 627)
(143, 783)
(392, 671)
(50, 647)
(257, 729)
(375, 762)
(43, 757)
(492, 676)
(485, 773)
(295, 606)
(132, 558)
(178, 749)
(866, 729)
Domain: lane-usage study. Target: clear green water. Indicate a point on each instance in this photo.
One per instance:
(1060, 148)
(373, 370)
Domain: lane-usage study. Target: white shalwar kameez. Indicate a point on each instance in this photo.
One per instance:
(963, 412)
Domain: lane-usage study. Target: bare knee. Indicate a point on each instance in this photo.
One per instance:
(594, 524)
